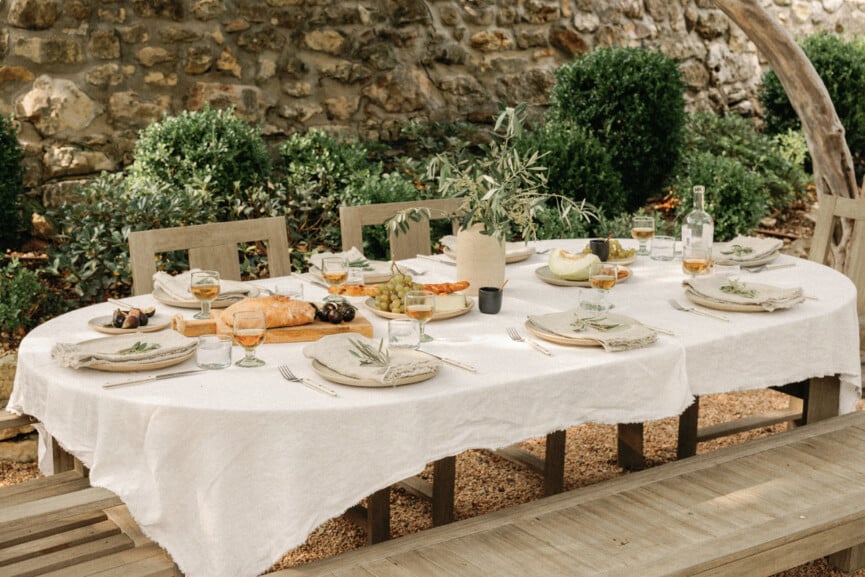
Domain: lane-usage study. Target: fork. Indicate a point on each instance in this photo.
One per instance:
(679, 306)
(516, 336)
(288, 375)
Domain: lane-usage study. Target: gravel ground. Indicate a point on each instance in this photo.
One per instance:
(486, 482)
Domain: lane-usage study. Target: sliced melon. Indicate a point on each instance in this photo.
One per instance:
(571, 265)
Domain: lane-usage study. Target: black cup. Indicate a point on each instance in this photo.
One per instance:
(490, 299)
(600, 248)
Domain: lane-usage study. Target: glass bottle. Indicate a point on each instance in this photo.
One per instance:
(698, 226)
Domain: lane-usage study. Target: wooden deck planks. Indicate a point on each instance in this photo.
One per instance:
(754, 509)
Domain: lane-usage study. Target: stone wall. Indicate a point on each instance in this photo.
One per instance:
(84, 76)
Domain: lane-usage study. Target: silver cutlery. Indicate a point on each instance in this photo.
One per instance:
(453, 362)
(679, 306)
(288, 375)
(152, 378)
(761, 268)
(516, 336)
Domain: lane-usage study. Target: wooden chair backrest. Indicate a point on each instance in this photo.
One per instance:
(211, 246)
(832, 207)
(416, 241)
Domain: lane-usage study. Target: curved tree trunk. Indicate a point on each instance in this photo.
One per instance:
(832, 162)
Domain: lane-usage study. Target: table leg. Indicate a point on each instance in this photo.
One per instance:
(554, 463)
(630, 446)
(378, 516)
(824, 394)
(63, 461)
(444, 481)
(687, 443)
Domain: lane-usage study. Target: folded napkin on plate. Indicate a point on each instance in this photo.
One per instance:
(728, 291)
(373, 270)
(745, 249)
(334, 352)
(613, 332)
(176, 287)
(449, 244)
(122, 350)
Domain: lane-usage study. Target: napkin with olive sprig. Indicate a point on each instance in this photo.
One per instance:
(731, 290)
(124, 351)
(366, 359)
(611, 331)
(745, 249)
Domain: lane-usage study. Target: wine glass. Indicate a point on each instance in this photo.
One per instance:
(696, 259)
(602, 277)
(249, 330)
(204, 285)
(420, 305)
(643, 229)
(334, 270)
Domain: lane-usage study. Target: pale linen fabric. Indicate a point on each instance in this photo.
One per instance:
(230, 469)
(160, 346)
(760, 248)
(628, 335)
(176, 287)
(765, 296)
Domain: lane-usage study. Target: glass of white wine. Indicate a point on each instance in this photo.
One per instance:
(249, 330)
(696, 259)
(204, 285)
(420, 305)
(602, 278)
(643, 230)
(334, 271)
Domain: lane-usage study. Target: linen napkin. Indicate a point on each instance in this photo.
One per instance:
(176, 287)
(727, 290)
(745, 249)
(373, 270)
(334, 352)
(613, 332)
(124, 350)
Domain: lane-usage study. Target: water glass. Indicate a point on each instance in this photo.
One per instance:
(403, 334)
(292, 288)
(213, 352)
(663, 248)
(355, 276)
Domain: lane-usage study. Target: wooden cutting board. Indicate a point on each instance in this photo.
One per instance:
(303, 333)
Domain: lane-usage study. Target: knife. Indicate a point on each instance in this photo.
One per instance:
(153, 378)
(463, 366)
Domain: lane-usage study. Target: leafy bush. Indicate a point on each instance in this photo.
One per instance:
(735, 196)
(735, 137)
(211, 149)
(11, 184)
(841, 65)
(632, 101)
(579, 167)
(22, 297)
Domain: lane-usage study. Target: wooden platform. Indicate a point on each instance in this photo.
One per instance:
(750, 510)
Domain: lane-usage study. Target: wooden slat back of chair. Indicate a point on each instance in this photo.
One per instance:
(832, 207)
(416, 241)
(211, 246)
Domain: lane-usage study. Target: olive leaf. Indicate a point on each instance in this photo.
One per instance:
(735, 287)
(139, 347)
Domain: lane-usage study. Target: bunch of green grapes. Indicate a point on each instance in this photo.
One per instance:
(391, 295)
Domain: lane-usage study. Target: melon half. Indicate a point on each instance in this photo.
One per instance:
(571, 265)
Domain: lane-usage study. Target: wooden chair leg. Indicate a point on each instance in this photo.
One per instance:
(630, 446)
(687, 442)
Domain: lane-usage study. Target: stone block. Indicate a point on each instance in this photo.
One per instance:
(19, 451)
(57, 105)
(49, 50)
(8, 365)
(33, 14)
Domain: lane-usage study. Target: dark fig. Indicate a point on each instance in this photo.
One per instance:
(117, 318)
(131, 321)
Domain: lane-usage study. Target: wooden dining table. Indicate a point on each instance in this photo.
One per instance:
(229, 469)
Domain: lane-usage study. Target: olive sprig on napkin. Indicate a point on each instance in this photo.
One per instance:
(738, 250)
(139, 347)
(597, 323)
(733, 286)
(368, 355)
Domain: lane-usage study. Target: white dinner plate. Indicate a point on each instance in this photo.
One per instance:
(340, 379)
(165, 299)
(545, 274)
(437, 316)
(104, 324)
(116, 368)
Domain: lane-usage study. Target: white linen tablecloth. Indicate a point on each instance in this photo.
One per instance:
(230, 469)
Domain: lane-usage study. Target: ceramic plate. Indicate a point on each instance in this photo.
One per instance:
(115, 368)
(559, 339)
(545, 274)
(732, 307)
(748, 263)
(341, 379)
(514, 252)
(103, 324)
(437, 316)
(160, 295)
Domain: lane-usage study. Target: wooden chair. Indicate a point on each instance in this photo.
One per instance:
(60, 526)
(416, 241)
(831, 208)
(211, 246)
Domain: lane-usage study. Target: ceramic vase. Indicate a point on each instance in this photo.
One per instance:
(480, 259)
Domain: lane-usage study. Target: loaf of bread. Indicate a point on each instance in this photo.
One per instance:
(279, 311)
